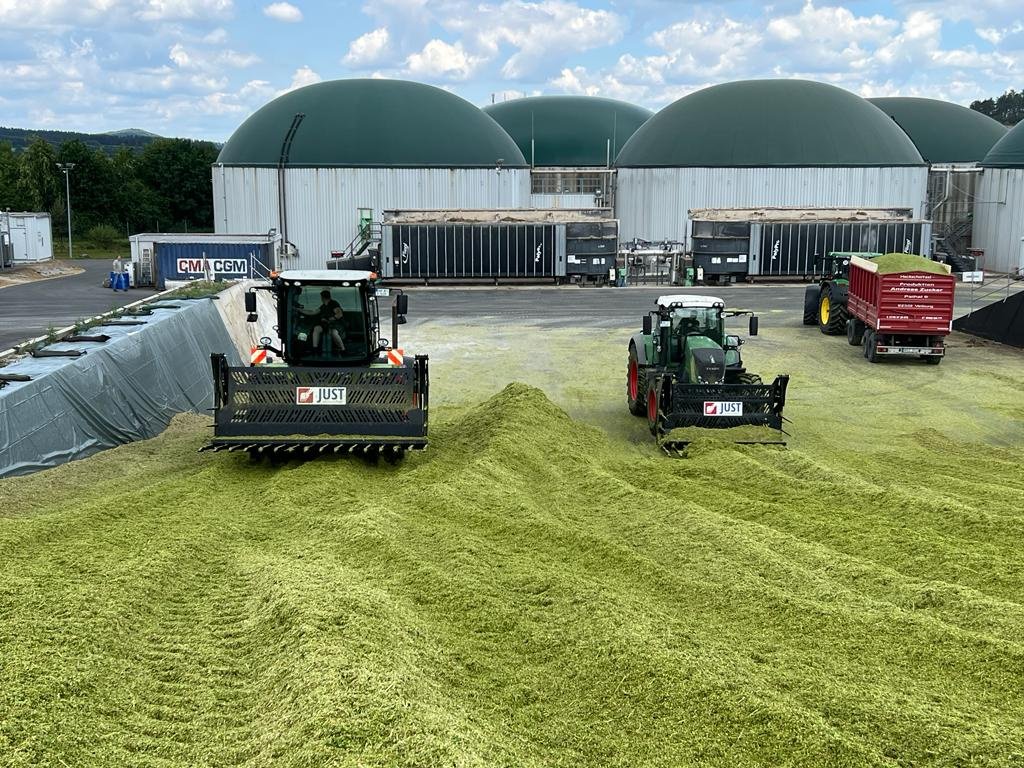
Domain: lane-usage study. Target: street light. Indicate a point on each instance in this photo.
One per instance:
(66, 167)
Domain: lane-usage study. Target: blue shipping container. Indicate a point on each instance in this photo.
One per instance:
(220, 261)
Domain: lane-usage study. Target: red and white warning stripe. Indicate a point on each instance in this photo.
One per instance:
(257, 356)
(395, 356)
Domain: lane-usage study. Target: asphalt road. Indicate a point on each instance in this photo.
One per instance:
(569, 306)
(28, 310)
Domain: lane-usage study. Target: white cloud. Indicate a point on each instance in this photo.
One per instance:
(440, 59)
(283, 12)
(369, 49)
(303, 76)
(173, 10)
(209, 61)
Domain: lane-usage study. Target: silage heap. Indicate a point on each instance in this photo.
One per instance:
(529, 592)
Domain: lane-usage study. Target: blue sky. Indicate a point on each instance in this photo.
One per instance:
(197, 68)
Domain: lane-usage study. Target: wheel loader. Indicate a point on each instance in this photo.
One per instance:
(684, 370)
(332, 384)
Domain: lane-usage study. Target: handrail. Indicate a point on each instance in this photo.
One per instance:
(1000, 286)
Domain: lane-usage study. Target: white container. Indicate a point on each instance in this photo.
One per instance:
(30, 236)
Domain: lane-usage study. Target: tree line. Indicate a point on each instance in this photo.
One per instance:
(1008, 109)
(164, 187)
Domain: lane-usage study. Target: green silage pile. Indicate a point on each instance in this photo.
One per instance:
(531, 591)
(747, 434)
(895, 263)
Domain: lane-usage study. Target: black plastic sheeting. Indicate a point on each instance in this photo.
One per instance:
(1002, 321)
(125, 389)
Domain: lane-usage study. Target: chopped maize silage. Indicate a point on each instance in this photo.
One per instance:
(534, 590)
(895, 263)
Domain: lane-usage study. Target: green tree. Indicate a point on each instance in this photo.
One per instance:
(39, 180)
(178, 171)
(1008, 109)
(10, 193)
(93, 189)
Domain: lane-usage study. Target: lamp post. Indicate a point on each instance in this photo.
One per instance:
(66, 167)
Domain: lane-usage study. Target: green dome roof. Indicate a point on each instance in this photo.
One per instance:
(761, 123)
(569, 130)
(372, 124)
(941, 131)
(1008, 152)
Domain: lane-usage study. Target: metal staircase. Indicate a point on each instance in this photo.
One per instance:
(367, 241)
(951, 245)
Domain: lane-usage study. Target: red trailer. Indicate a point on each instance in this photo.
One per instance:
(906, 312)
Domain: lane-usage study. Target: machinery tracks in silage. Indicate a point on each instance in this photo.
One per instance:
(193, 694)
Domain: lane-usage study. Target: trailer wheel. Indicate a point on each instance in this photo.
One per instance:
(854, 331)
(636, 384)
(831, 313)
(811, 294)
(933, 359)
(870, 346)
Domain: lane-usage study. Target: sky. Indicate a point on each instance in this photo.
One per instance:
(198, 68)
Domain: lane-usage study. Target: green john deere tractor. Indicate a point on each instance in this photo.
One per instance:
(825, 301)
(685, 371)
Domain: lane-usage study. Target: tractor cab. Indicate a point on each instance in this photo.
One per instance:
(328, 317)
(693, 336)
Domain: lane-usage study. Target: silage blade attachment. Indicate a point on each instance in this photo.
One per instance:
(743, 414)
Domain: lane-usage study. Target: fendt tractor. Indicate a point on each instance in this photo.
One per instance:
(889, 305)
(332, 384)
(686, 371)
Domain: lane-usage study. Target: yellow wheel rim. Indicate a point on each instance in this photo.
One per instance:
(826, 310)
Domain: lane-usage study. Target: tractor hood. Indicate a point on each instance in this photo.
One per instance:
(705, 360)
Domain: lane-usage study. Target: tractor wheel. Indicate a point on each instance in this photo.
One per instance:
(653, 407)
(636, 384)
(855, 331)
(749, 378)
(811, 294)
(831, 313)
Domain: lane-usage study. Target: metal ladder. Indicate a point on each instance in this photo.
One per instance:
(146, 267)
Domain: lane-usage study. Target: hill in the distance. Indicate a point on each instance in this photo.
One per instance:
(134, 139)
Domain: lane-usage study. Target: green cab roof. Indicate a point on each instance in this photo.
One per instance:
(769, 123)
(372, 123)
(569, 131)
(1008, 152)
(941, 131)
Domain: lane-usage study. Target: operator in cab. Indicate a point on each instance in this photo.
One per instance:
(330, 320)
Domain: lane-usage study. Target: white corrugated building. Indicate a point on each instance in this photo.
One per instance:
(360, 147)
(999, 209)
(748, 144)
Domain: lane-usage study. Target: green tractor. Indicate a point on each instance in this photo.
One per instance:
(684, 371)
(825, 301)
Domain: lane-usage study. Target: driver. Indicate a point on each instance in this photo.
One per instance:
(329, 319)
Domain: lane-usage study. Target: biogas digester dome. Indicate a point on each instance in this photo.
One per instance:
(569, 131)
(943, 132)
(999, 220)
(362, 143)
(754, 143)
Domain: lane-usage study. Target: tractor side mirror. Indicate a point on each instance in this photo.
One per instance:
(647, 325)
(402, 304)
(250, 302)
(752, 330)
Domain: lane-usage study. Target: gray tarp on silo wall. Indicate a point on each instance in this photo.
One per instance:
(125, 389)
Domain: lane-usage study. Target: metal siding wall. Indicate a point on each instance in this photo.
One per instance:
(999, 218)
(323, 203)
(652, 203)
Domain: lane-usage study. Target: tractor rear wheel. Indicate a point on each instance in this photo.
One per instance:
(811, 293)
(831, 312)
(636, 384)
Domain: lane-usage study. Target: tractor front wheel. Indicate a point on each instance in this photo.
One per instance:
(749, 378)
(831, 312)
(636, 384)
(653, 407)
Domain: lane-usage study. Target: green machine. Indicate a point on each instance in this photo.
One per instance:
(684, 370)
(825, 301)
